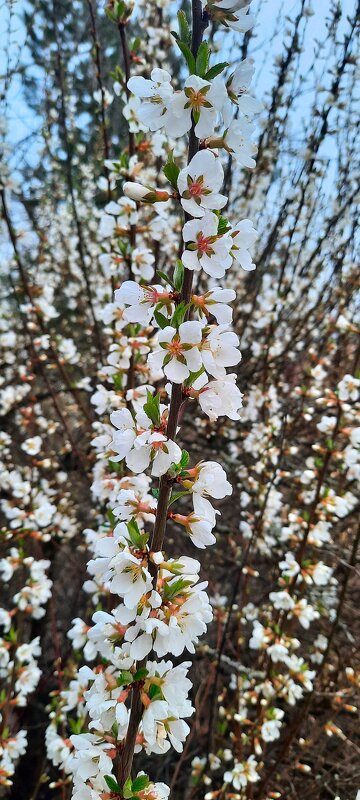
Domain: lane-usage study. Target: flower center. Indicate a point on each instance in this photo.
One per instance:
(203, 243)
(197, 99)
(196, 188)
(175, 348)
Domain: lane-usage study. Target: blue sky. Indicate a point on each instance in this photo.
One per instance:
(22, 123)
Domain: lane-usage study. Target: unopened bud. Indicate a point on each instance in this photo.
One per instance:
(303, 767)
(140, 193)
(157, 558)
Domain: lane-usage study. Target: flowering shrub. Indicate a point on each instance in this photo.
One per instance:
(129, 315)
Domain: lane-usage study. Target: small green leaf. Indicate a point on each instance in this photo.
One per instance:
(179, 314)
(140, 783)
(176, 587)
(189, 58)
(184, 28)
(176, 496)
(127, 789)
(111, 517)
(140, 674)
(116, 466)
(161, 320)
(154, 691)
(136, 44)
(118, 381)
(202, 59)
(125, 678)
(152, 408)
(215, 70)
(185, 458)
(178, 276)
(194, 376)
(76, 725)
(139, 539)
(165, 278)
(171, 170)
(112, 784)
(223, 225)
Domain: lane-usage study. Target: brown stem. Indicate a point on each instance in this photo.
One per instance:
(127, 754)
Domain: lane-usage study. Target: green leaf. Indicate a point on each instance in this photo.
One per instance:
(223, 225)
(152, 408)
(111, 517)
(161, 320)
(184, 28)
(171, 170)
(215, 70)
(116, 466)
(140, 783)
(140, 674)
(178, 276)
(76, 725)
(136, 44)
(154, 691)
(170, 591)
(127, 788)
(125, 678)
(118, 381)
(112, 784)
(202, 59)
(194, 376)
(179, 314)
(189, 58)
(165, 278)
(137, 538)
(176, 496)
(185, 458)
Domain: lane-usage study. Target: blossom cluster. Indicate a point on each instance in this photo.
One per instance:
(108, 306)
(165, 332)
